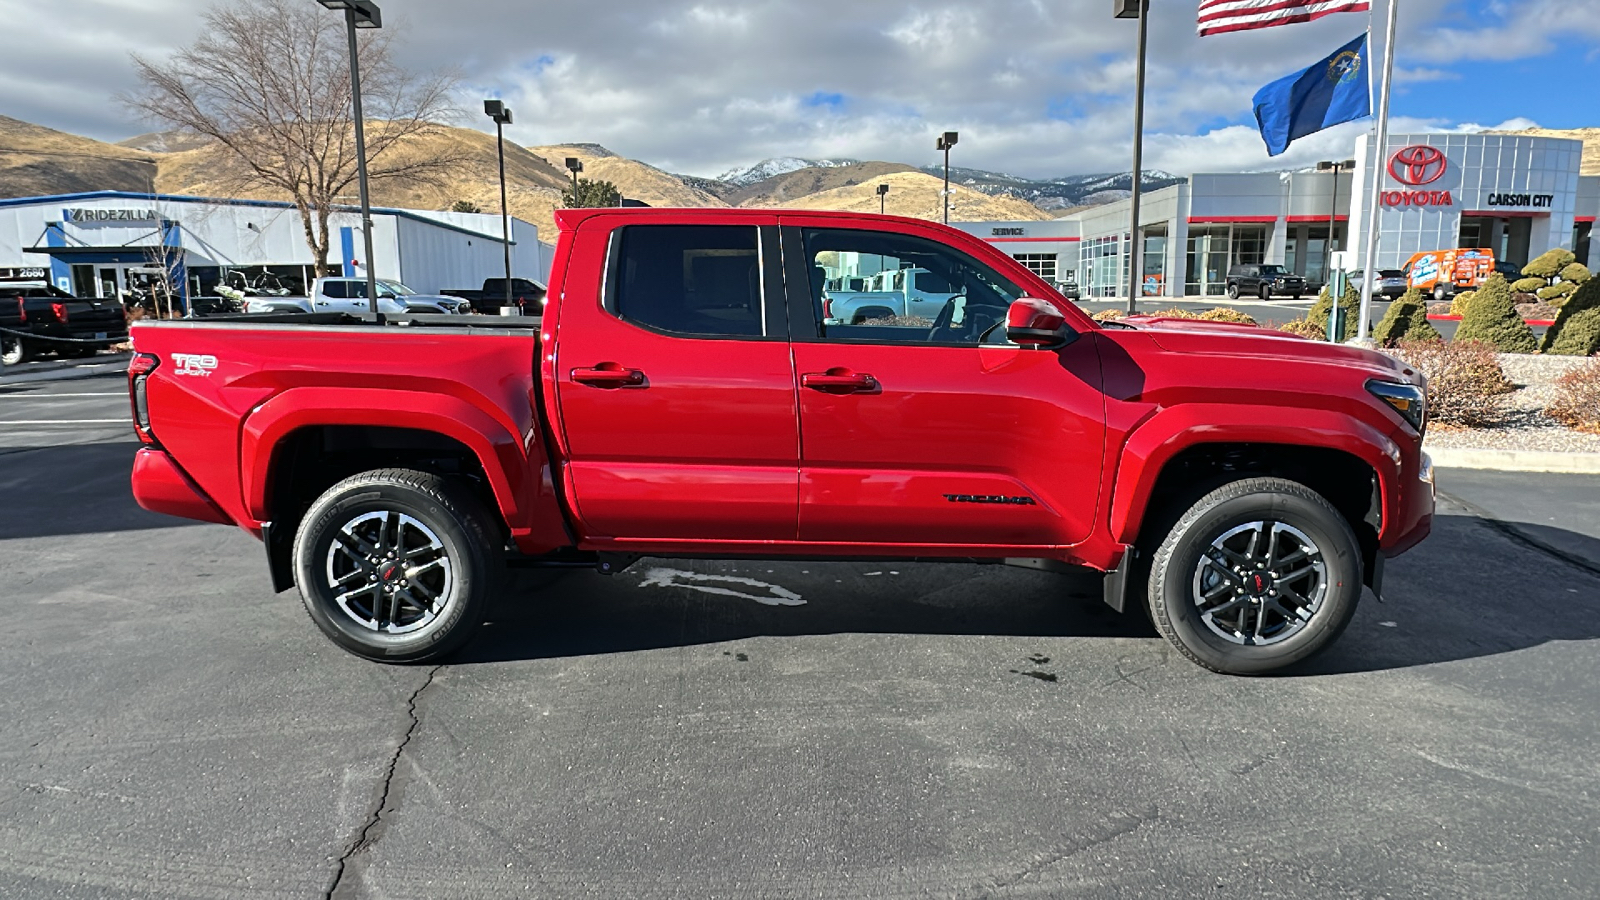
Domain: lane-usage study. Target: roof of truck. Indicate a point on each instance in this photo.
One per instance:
(570, 219)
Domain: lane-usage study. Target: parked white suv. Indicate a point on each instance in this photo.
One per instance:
(349, 295)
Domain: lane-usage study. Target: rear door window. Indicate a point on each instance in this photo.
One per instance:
(689, 279)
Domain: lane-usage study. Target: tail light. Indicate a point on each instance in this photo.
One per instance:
(139, 369)
(22, 310)
(827, 307)
(60, 309)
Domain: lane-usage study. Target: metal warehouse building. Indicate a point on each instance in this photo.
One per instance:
(1517, 195)
(105, 244)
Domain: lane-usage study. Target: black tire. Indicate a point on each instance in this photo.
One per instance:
(14, 351)
(441, 513)
(1176, 574)
(1266, 292)
(1294, 297)
(1440, 293)
(1233, 292)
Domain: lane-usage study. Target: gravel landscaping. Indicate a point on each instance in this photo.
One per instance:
(1526, 427)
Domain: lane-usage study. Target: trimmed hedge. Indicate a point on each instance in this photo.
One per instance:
(1577, 273)
(1527, 285)
(1493, 319)
(1349, 301)
(1576, 331)
(1406, 320)
(1306, 329)
(1460, 302)
(1555, 292)
(1549, 264)
(1227, 314)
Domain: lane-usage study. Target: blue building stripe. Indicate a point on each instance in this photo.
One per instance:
(347, 241)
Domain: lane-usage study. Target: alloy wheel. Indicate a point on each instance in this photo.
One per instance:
(1260, 583)
(390, 572)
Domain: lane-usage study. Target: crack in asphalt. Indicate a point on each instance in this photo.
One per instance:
(1517, 535)
(365, 838)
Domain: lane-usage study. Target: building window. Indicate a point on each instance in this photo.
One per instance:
(1580, 241)
(1041, 264)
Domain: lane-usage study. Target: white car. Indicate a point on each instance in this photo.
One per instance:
(349, 295)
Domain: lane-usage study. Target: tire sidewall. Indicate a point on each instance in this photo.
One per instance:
(469, 571)
(1233, 292)
(1173, 593)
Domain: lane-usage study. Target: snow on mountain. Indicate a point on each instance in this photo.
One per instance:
(772, 168)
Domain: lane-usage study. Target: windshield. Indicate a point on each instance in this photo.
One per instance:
(1273, 270)
(394, 286)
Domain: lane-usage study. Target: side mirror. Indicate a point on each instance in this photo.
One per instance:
(1037, 324)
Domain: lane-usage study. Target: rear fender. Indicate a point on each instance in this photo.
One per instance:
(499, 452)
(1155, 442)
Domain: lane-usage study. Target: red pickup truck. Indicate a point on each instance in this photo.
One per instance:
(682, 396)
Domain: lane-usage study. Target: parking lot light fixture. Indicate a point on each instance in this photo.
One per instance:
(1335, 167)
(501, 114)
(945, 142)
(1136, 9)
(574, 165)
(361, 14)
(883, 196)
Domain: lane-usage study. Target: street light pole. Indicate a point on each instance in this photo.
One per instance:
(1333, 211)
(574, 165)
(883, 197)
(502, 117)
(361, 14)
(1140, 9)
(945, 142)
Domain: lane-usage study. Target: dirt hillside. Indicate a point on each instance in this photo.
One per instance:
(1591, 143)
(35, 160)
(813, 180)
(916, 194)
(636, 180)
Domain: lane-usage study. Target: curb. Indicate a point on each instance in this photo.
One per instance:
(65, 372)
(1515, 460)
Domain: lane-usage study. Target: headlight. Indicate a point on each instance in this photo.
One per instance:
(1409, 400)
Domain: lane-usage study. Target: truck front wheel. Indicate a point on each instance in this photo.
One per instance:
(397, 565)
(1257, 575)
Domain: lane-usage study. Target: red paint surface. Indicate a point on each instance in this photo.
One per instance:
(724, 446)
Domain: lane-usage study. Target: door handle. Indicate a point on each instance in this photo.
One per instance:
(840, 381)
(609, 375)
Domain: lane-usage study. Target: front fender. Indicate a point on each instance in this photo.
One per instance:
(1171, 431)
(499, 452)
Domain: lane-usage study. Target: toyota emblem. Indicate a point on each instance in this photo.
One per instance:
(1417, 165)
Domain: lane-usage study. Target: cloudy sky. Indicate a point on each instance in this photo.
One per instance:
(1040, 88)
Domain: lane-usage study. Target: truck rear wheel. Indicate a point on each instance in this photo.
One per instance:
(397, 565)
(1257, 575)
(13, 351)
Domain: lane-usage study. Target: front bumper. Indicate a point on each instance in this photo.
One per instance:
(1412, 518)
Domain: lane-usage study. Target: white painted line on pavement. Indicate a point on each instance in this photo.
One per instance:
(123, 421)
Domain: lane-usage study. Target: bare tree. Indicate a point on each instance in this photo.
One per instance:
(269, 82)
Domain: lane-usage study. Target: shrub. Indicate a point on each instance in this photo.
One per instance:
(1349, 301)
(1577, 273)
(1106, 315)
(1406, 320)
(1577, 328)
(1306, 329)
(1227, 314)
(1527, 285)
(1460, 302)
(1555, 293)
(1492, 318)
(1549, 264)
(1175, 313)
(1577, 401)
(465, 206)
(1466, 385)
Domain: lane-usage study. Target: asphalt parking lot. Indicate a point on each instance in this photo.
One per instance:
(169, 728)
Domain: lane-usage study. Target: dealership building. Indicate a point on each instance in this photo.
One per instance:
(110, 243)
(1517, 195)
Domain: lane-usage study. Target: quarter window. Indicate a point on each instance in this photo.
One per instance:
(911, 290)
(689, 279)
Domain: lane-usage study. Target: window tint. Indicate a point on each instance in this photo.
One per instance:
(689, 279)
(338, 290)
(914, 290)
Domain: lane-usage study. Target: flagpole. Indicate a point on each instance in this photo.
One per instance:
(1368, 266)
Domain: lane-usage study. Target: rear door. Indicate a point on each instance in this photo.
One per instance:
(674, 382)
(937, 432)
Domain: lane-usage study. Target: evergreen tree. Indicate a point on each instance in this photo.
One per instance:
(1576, 331)
(1350, 302)
(591, 194)
(1493, 319)
(1406, 320)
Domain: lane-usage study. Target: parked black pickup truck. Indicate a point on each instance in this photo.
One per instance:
(527, 295)
(39, 318)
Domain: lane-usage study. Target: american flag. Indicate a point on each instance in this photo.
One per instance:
(1222, 16)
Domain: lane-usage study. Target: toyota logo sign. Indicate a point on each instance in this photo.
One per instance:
(1417, 165)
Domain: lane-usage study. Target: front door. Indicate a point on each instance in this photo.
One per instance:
(675, 385)
(109, 283)
(938, 432)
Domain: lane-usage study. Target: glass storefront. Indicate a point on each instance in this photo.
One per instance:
(1213, 249)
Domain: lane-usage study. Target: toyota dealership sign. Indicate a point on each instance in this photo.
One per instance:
(1416, 167)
